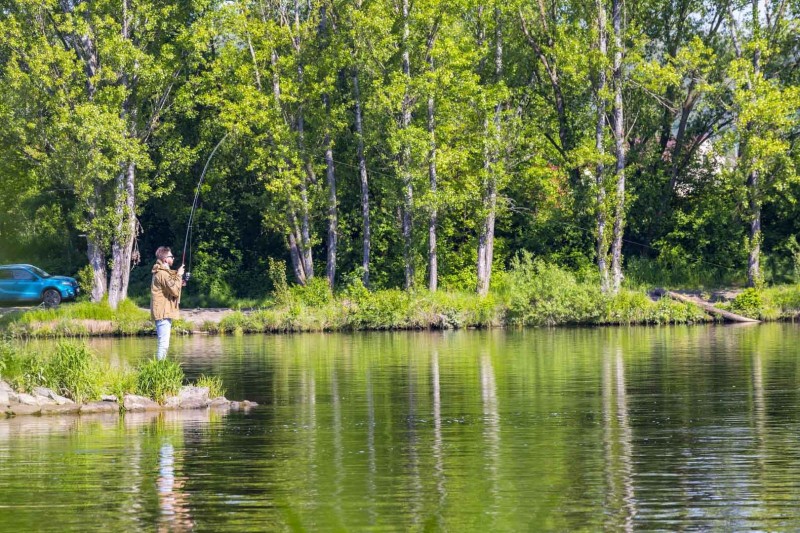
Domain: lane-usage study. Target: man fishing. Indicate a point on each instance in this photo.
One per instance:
(165, 294)
(165, 289)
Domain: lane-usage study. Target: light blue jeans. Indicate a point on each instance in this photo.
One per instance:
(163, 330)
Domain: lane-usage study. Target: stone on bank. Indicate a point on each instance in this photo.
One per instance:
(46, 402)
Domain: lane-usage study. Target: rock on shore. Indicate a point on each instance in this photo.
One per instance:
(44, 401)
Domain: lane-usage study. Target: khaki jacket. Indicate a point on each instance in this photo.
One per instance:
(165, 292)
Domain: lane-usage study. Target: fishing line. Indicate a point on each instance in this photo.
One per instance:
(194, 205)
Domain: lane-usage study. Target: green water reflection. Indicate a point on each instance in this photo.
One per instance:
(572, 429)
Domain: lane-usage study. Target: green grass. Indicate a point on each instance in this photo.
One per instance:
(67, 320)
(530, 293)
(76, 372)
(158, 379)
(214, 384)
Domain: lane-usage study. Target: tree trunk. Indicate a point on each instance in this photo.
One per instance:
(124, 235)
(95, 250)
(405, 157)
(296, 252)
(491, 159)
(754, 257)
(125, 199)
(619, 138)
(362, 172)
(333, 217)
(305, 226)
(602, 245)
(298, 232)
(753, 261)
(97, 260)
(433, 260)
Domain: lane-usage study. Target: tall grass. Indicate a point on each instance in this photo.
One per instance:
(74, 371)
(159, 378)
(214, 384)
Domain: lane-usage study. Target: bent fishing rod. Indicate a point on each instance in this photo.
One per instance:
(187, 274)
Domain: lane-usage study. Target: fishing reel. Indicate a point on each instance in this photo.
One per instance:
(186, 276)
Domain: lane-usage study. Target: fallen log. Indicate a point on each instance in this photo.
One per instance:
(727, 315)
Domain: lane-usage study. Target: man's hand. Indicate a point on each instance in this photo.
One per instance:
(181, 270)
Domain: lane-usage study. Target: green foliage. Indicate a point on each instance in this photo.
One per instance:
(749, 303)
(120, 381)
(703, 117)
(214, 384)
(12, 364)
(277, 276)
(315, 293)
(85, 278)
(158, 379)
(546, 295)
(786, 300)
(73, 371)
(634, 307)
(78, 319)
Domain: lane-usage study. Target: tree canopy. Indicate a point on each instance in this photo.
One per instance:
(404, 144)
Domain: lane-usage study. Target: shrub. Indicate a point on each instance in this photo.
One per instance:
(388, 309)
(785, 298)
(158, 379)
(545, 294)
(315, 293)
(277, 275)
(85, 278)
(748, 303)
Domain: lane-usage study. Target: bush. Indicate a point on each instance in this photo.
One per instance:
(543, 294)
(388, 309)
(786, 299)
(748, 303)
(277, 276)
(315, 293)
(85, 278)
(158, 379)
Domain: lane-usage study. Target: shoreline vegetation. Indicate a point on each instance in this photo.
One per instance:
(72, 379)
(533, 293)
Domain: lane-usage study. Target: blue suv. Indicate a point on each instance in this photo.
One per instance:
(27, 283)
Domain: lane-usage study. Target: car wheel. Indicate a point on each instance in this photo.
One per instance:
(51, 298)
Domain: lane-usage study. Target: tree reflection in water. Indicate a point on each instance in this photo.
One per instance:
(620, 492)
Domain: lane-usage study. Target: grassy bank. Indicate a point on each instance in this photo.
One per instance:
(74, 371)
(530, 293)
(82, 319)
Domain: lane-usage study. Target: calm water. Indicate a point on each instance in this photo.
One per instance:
(680, 428)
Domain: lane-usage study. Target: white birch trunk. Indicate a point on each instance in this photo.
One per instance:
(619, 138)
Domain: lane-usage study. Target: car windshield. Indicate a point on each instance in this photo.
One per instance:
(39, 272)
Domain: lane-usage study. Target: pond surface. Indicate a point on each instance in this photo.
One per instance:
(670, 428)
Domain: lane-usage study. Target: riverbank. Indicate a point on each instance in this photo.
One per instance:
(535, 294)
(73, 380)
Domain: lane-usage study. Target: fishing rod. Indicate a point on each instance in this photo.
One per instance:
(187, 274)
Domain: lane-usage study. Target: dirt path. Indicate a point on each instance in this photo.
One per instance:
(198, 315)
